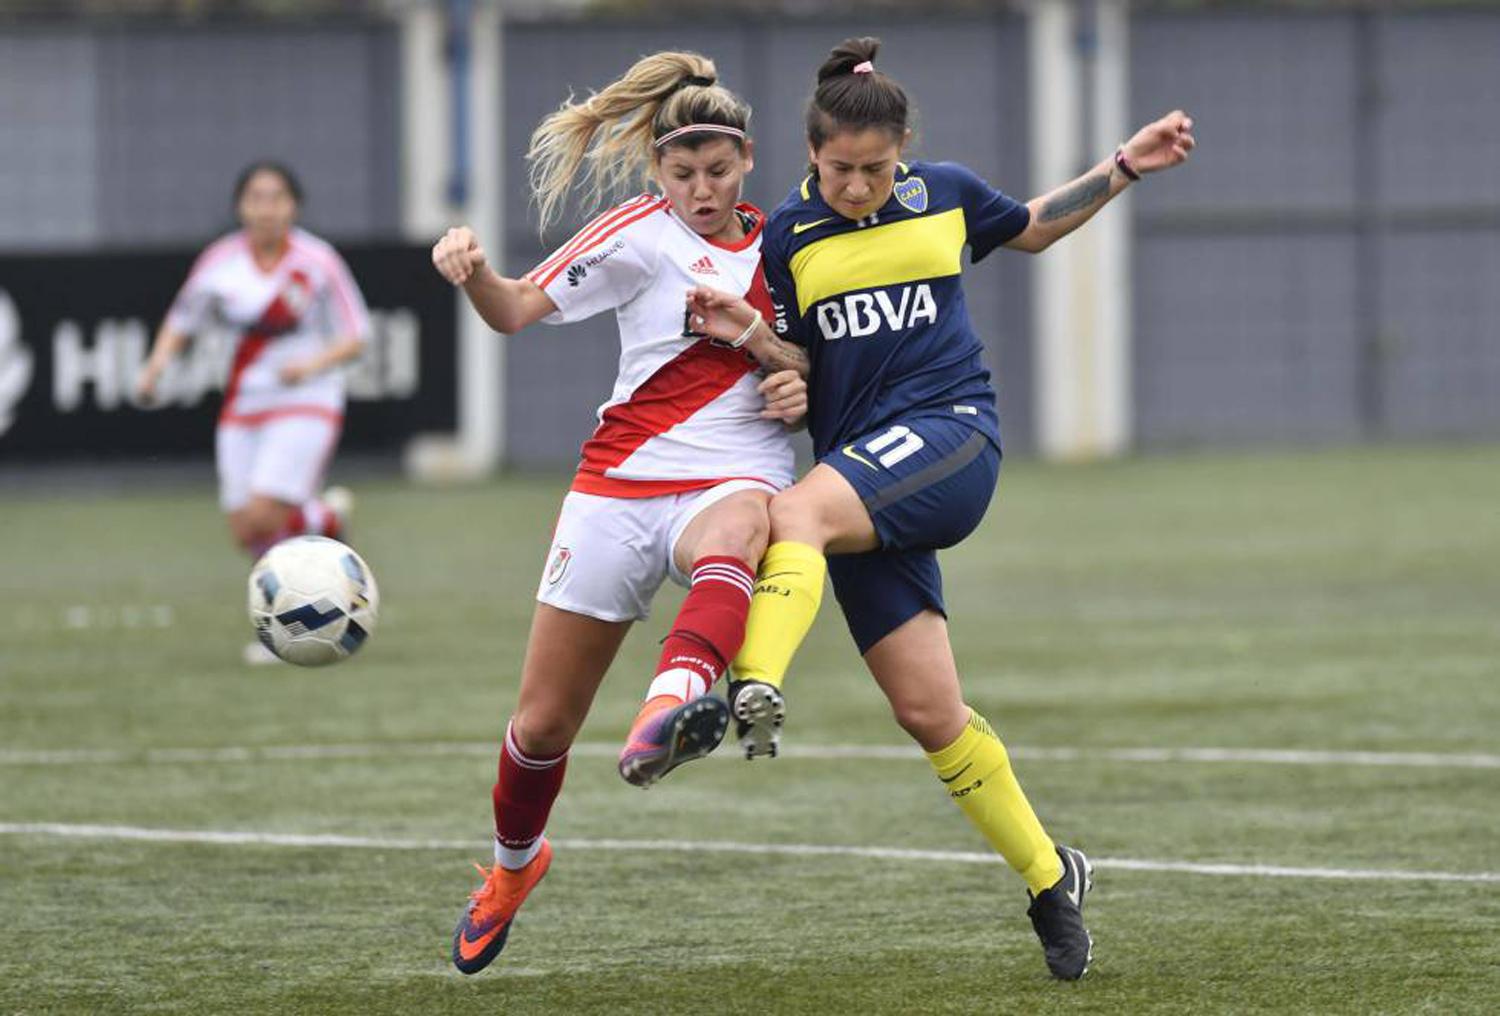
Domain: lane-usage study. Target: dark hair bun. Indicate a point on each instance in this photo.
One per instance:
(846, 101)
(847, 55)
(281, 169)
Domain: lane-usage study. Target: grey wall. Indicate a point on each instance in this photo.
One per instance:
(49, 139)
(1326, 268)
(133, 135)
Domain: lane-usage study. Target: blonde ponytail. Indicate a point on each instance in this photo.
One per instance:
(614, 129)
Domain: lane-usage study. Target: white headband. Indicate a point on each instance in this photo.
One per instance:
(694, 128)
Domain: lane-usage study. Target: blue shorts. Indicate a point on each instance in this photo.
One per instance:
(926, 482)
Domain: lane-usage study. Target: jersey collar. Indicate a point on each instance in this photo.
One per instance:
(753, 233)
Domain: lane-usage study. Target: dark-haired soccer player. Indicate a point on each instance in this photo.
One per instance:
(863, 261)
(300, 318)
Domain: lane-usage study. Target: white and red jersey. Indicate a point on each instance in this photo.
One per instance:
(283, 315)
(684, 413)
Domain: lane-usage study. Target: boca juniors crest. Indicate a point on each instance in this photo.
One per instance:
(912, 194)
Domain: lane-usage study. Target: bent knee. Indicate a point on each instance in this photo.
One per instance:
(796, 515)
(933, 725)
(743, 534)
(537, 732)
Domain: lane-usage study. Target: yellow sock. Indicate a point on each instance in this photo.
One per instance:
(975, 768)
(788, 591)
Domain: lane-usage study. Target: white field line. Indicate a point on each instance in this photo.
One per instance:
(103, 616)
(868, 752)
(231, 838)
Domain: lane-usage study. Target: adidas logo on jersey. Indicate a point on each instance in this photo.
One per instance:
(857, 315)
(576, 274)
(703, 266)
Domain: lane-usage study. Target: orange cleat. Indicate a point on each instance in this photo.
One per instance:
(664, 736)
(482, 931)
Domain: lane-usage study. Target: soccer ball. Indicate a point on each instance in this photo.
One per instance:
(312, 600)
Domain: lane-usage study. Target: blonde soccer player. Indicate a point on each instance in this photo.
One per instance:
(690, 446)
(299, 316)
(863, 263)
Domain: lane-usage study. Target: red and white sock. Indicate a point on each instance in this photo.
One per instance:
(312, 517)
(523, 796)
(707, 634)
(316, 519)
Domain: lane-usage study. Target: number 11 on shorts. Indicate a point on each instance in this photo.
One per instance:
(894, 445)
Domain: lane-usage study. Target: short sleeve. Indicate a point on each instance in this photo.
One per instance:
(783, 291)
(345, 300)
(193, 304)
(603, 266)
(990, 217)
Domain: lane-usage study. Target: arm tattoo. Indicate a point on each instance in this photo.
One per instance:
(784, 355)
(1075, 197)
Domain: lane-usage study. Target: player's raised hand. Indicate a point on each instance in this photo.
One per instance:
(457, 255)
(785, 393)
(717, 314)
(1161, 144)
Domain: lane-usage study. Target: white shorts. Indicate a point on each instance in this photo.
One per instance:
(610, 554)
(283, 458)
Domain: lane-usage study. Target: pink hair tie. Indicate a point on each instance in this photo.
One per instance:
(864, 68)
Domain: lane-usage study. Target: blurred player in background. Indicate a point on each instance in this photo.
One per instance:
(863, 264)
(690, 446)
(299, 316)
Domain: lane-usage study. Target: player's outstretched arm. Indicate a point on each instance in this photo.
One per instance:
(731, 319)
(506, 305)
(1159, 145)
(169, 342)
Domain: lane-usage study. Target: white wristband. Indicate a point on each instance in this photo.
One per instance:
(747, 334)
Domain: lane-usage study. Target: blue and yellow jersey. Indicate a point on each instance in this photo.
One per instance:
(877, 302)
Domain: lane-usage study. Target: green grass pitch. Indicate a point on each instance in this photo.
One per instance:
(1319, 602)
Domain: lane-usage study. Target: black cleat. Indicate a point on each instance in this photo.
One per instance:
(759, 711)
(1057, 916)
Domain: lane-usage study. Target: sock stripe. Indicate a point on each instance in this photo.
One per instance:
(728, 564)
(981, 725)
(719, 569)
(741, 579)
(526, 761)
(723, 569)
(740, 584)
